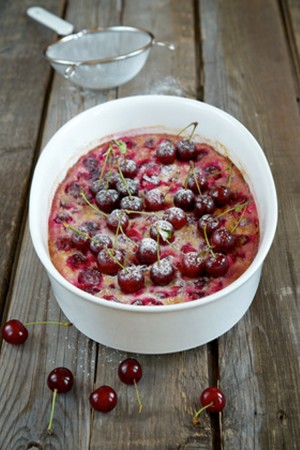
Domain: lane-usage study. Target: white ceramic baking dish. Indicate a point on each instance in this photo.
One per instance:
(153, 329)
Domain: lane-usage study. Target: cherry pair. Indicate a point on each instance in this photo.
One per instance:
(105, 399)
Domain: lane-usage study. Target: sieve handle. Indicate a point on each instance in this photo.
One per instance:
(168, 45)
(50, 20)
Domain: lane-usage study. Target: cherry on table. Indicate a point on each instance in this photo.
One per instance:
(213, 400)
(131, 279)
(60, 380)
(130, 372)
(14, 332)
(103, 399)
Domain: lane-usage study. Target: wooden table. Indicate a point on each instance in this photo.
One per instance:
(239, 55)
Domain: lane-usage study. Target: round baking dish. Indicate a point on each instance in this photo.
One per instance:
(153, 329)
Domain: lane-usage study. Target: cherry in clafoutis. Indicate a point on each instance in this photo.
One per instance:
(166, 152)
(103, 399)
(185, 147)
(130, 372)
(215, 264)
(191, 265)
(60, 381)
(15, 332)
(213, 400)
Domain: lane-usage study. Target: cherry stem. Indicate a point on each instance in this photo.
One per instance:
(115, 259)
(230, 175)
(145, 213)
(121, 146)
(240, 219)
(207, 242)
(111, 166)
(195, 176)
(49, 429)
(195, 419)
(124, 182)
(187, 177)
(138, 396)
(170, 186)
(234, 208)
(213, 174)
(107, 154)
(158, 247)
(194, 125)
(92, 206)
(117, 231)
(50, 322)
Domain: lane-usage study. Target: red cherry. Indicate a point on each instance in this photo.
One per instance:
(14, 332)
(184, 199)
(166, 152)
(110, 262)
(221, 194)
(162, 272)
(216, 265)
(213, 400)
(186, 150)
(131, 279)
(128, 168)
(176, 216)
(130, 371)
(103, 399)
(147, 251)
(60, 380)
(191, 265)
(154, 200)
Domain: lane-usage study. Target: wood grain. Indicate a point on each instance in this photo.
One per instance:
(250, 70)
(21, 111)
(245, 60)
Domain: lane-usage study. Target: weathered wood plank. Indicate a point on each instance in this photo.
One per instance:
(21, 111)
(248, 72)
(180, 377)
(25, 398)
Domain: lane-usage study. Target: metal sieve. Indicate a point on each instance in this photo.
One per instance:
(101, 58)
